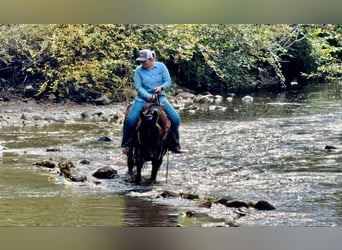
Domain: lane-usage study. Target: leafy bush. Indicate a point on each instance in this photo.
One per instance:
(83, 62)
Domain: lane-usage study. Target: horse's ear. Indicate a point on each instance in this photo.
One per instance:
(155, 116)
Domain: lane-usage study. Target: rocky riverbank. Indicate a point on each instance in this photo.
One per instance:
(29, 112)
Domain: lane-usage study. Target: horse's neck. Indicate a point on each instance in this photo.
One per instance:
(163, 121)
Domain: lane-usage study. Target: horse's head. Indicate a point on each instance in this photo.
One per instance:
(150, 135)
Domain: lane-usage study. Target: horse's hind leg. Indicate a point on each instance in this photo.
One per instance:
(155, 167)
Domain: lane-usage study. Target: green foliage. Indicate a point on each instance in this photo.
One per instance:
(83, 62)
(88, 56)
(325, 45)
(237, 54)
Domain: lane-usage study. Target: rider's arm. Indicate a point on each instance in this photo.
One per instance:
(138, 85)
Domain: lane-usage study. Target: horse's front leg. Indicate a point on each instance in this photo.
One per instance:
(130, 161)
(155, 167)
(139, 165)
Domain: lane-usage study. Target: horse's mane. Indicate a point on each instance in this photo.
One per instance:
(163, 119)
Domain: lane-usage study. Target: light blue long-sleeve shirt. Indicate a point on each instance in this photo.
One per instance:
(147, 80)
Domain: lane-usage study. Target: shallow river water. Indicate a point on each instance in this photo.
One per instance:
(271, 149)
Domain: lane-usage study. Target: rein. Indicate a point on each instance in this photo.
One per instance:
(167, 165)
(157, 98)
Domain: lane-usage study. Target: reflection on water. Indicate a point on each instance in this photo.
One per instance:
(82, 210)
(62, 211)
(142, 213)
(272, 149)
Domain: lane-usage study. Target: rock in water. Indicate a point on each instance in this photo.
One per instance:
(236, 204)
(263, 205)
(47, 164)
(105, 173)
(104, 139)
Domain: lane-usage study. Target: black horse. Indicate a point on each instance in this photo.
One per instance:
(151, 139)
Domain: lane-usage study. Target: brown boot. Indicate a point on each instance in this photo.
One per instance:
(128, 144)
(173, 143)
(177, 150)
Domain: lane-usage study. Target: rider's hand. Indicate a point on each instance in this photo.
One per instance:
(157, 90)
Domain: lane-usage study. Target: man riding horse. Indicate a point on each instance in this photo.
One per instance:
(151, 78)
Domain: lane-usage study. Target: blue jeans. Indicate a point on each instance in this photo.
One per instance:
(134, 114)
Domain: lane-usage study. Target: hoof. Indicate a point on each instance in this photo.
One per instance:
(137, 180)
